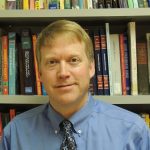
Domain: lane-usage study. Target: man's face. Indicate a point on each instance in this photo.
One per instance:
(66, 72)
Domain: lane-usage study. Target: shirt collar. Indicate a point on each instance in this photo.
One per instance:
(78, 118)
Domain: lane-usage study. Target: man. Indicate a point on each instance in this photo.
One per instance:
(72, 120)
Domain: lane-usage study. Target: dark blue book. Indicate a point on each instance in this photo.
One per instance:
(98, 62)
(127, 65)
(104, 58)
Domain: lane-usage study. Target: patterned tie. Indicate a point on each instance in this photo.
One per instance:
(69, 141)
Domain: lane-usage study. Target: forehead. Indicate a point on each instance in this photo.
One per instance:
(63, 47)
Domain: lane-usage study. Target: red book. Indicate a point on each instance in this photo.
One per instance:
(122, 64)
(5, 64)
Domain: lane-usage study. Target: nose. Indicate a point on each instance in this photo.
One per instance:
(63, 70)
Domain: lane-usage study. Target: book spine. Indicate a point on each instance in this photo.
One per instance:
(98, 62)
(2, 4)
(104, 61)
(108, 3)
(130, 4)
(140, 3)
(148, 54)
(12, 63)
(109, 55)
(26, 4)
(127, 65)
(5, 64)
(116, 70)
(101, 4)
(142, 68)
(1, 81)
(32, 4)
(133, 57)
(1, 127)
(12, 114)
(11, 4)
(37, 4)
(122, 63)
(115, 3)
(29, 80)
(38, 83)
(135, 4)
(75, 4)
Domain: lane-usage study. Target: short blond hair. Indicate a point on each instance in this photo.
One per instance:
(71, 29)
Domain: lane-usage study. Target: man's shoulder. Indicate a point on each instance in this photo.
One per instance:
(31, 113)
(116, 113)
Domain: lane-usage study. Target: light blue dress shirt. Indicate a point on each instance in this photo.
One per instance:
(99, 126)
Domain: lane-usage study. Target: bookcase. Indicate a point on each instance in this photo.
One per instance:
(37, 19)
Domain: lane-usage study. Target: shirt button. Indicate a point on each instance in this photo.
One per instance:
(56, 131)
(79, 131)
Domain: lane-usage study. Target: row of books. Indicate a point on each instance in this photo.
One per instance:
(5, 117)
(72, 4)
(18, 66)
(122, 64)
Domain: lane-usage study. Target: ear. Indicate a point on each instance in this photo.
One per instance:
(92, 69)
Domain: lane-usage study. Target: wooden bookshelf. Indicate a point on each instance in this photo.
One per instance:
(41, 17)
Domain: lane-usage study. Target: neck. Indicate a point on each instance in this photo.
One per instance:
(67, 110)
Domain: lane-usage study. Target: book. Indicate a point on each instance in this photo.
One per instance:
(108, 3)
(38, 82)
(2, 4)
(75, 4)
(101, 4)
(28, 66)
(142, 68)
(26, 4)
(1, 81)
(141, 3)
(116, 68)
(1, 126)
(127, 64)
(5, 72)
(13, 63)
(98, 62)
(19, 4)
(130, 3)
(32, 4)
(145, 3)
(133, 57)
(115, 3)
(148, 54)
(109, 55)
(11, 4)
(12, 113)
(122, 63)
(104, 60)
(135, 4)
(67, 4)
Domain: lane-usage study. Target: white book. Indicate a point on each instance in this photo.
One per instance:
(148, 53)
(2, 4)
(116, 68)
(133, 57)
(135, 4)
(109, 55)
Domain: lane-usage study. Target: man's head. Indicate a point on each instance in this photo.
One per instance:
(66, 64)
(68, 28)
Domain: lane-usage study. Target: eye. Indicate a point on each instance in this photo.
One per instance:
(75, 60)
(52, 62)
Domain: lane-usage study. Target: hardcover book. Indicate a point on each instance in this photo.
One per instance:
(142, 68)
(28, 66)
(133, 57)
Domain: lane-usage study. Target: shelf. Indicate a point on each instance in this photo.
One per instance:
(118, 100)
(125, 14)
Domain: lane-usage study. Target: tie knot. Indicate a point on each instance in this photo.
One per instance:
(66, 125)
